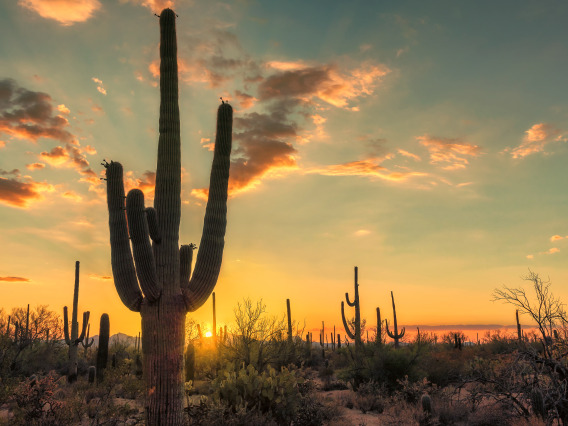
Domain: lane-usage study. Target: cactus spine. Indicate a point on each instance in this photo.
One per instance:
(395, 335)
(151, 279)
(102, 351)
(74, 339)
(354, 334)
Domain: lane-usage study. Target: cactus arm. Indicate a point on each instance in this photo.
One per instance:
(121, 257)
(352, 304)
(153, 228)
(141, 247)
(85, 343)
(345, 325)
(83, 331)
(401, 335)
(210, 254)
(391, 335)
(185, 263)
(66, 326)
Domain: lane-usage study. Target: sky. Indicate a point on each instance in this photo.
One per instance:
(424, 142)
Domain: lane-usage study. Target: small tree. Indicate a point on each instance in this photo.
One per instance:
(257, 337)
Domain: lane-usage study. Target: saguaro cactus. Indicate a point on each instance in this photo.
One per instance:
(102, 351)
(396, 336)
(379, 334)
(354, 334)
(73, 339)
(519, 331)
(289, 320)
(157, 282)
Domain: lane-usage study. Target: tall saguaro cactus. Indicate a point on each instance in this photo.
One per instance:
(395, 335)
(155, 279)
(74, 339)
(102, 351)
(354, 334)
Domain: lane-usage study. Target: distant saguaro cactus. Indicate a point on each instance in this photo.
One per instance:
(379, 334)
(214, 320)
(92, 373)
(354, 334)
(288, 311)
(155, 279)
(73, 339)
(396, 336)
(519, 331)
(102, 351)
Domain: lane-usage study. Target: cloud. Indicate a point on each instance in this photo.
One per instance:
(409, 154)
(206, 142)
(73, 196)
(21, 192)
(366, 168)
(362, 232)
(246, 101)
(324, 82)
(14, 279)
(25, 114)
(66, 12)
(552, 250)
(100, 86)
(71, 155)
(100, 277)
(536, 138)
(145, 183)
(556, 238)
(453, 152)
(35, 166)
(63, 109)
(530, 256)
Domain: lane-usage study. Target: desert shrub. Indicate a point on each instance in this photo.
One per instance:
(370, 397)
(445, 366)
(269, 392)
(452, 413)
(35, 402)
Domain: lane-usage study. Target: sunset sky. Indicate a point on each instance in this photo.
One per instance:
(424, 142)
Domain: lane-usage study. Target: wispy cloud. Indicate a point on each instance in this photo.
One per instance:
(35, 166)
(21, 192)
(536, 138)
(366, 168)
(66, 12)
(451, 153)
(100, 277)
(15, 279)
(100, 85)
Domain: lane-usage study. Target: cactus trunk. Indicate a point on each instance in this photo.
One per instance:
(396, 336)
(102, 351)
(156, 280)
(354, 334)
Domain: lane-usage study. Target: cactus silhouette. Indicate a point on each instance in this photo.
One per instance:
(102, 351)
(379, 335)
(73, 339)
(214, 321)
(155, 279)
(519, 331)
(354, 334)
(85, 342)
(395, 335)
(289, 320)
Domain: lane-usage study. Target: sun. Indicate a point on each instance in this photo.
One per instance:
(208, 334)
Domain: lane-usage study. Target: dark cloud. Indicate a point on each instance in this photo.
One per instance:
(25, 114)
(21, 192)
(294, 83)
